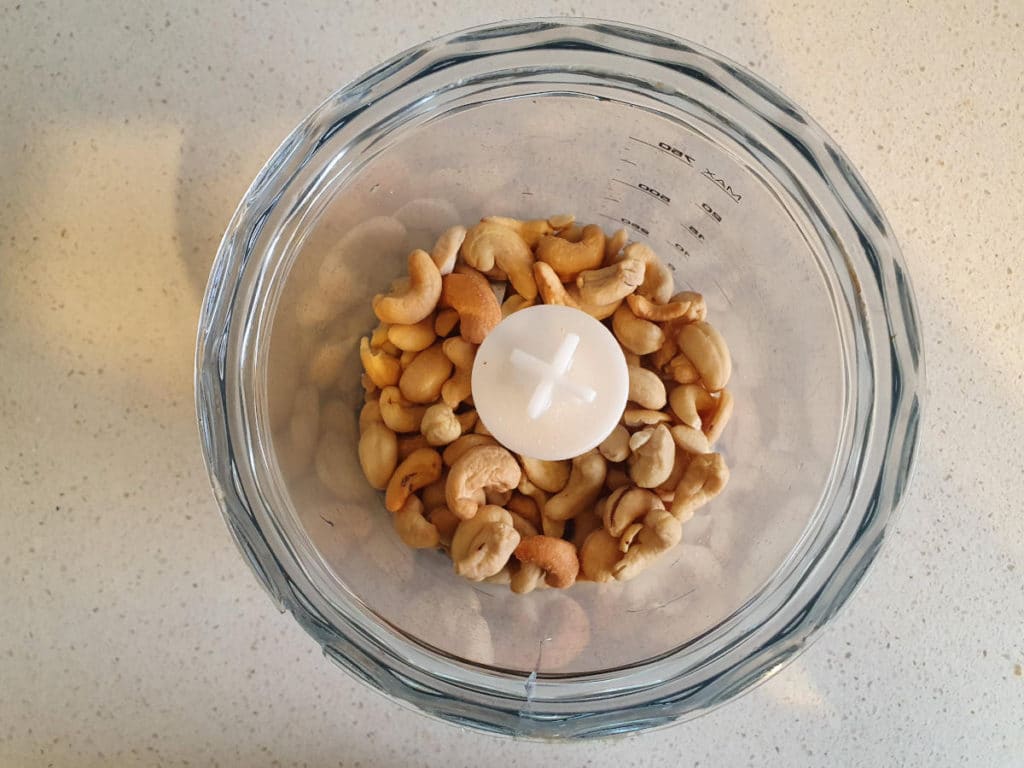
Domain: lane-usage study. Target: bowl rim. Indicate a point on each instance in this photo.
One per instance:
(655, 692)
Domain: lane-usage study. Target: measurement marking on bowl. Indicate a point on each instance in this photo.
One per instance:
(647, 189)
(668, 149)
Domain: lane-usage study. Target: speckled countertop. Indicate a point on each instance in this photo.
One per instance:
(131, 632)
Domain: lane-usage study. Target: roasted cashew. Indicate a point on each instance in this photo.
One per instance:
(550, 286)
(704, 478)
(523, 526)
(467, 420)
(584, 524)
(413, 528)
(378, 455)
(370, 390)
(413, 338)
(556, 557)
(614, 245)
(682, 371)
(636, 335)
(445, 522)
(645, 388)
(530, 231)
(626, 506)
(423, 378)
(596, 311)
(418, 470)
(599, 555)
(568, 259)
(690, 402)
(686, 306)
(382, 368)
(615, 447)
(482, 468)
(534, 494)
(560, 221)
(483, 544)
(658, 284)
(523, 506)
(471, 296)
(445, 322)
(585, 482)
(573, 233)
(433, 495)
(440, 425)
(406, 358)
(715, 423)
(446, 249)
(409, 443)
(550, 476)
(460, 386)
(643, 417)
(514, 303)
(370, 414)
(413, 303)
(550, 527)
(610, 284)
(705, 348)
(652, 455)
(660, 532)
(526, 578)
(462, 445)
(490, 244)
(617, 478)
(398, 413)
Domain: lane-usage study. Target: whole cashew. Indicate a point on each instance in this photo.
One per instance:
(690, 439)
(615, 447)
(556, 557)
(599, 555)
(445, 522)
(413, 528)
(530, 231)
(573, 233)
(378, 455)
(440, 425)
(705, 348)
(471, 296)
(643, 417)
(479, 469)
(483, 544)
(524, 507)
(636, 335)
(370, 414)
(446, 249)
(526, 578)
(422, 380)
(416, 301)
(326, 364)
(463, 445)
(690, 401)
(626, 506)
(489, 245)
(612, 283)
(652, 455)
(614, 245)
(715, 423)
(415, 337)
(409, 443)
(704, 478)
(663, 355)
(686, 306)
(645, 388)
(460, 386)
(550, 527)
(445, 322)
(550, 286)
(433, 495)
(596, 311)
(420, 469)
(569, 259)
(534, 494)
(550, 476)
(682, 371)
(660, 532)
(382, 368)
(398, 413)
(585, 482)
(658, 284)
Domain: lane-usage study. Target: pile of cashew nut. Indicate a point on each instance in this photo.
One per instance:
(603, 516)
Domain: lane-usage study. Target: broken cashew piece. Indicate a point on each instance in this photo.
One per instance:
(626, 506)
(478, 470)
(652, 456)
(482, 545)
(686, 306)
(556, 557)
(704, 478)
(413, 528)
(585, 482)
(446, 249)
(440, 425)
(658, 284)
(636, 335)
(659, 533)
(706, 350)
(383, 369)
(418, 299)
(568, 259)
(421, 468)
(615, 244)
(615, 447)
(610, 284)
(471, 296)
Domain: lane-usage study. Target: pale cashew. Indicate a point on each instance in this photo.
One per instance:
(370, 414)
(658, 284)
(382, 368)
(398, 413)
(471, 296)
(617, 478)
(628, 535)
(413, 528)
(413, 303)
(483, 544)
(690, 401)
(523, 506)
(626, 506)
(705, 348)
(407, 444)
(612, 283)
(615, 447)
(534, 494)
(489, 245)
(599, 555)
(514, 303)
(663, 355)
(378, 455)
(704, 478)
(482, 468)
(523, 526)
(445, 322)
(585, 482)
(560, 221)
(645, 388)
(440, 425)
(422, 380)
(715, 424)
(526, 578)
(326, 364)
(686, 306)
(615, 244)
(497, 498)
(584, 524)
(413, 338)
(643, 417)
(660, 532)
(418, 470)
(550, 286)
(652, 455)
(636, 335)
(567, 258)
(557, 558)
(530, 231)
(550, 476)
(445, 522)
(682, 371)
(379, 336)
(596, 311)
(446, 249)
(550, 527)
(667, 489)
(504, 576)
(690, 439)
(462, 445)
(460, 386)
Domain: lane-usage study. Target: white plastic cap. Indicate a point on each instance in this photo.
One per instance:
(550, 382)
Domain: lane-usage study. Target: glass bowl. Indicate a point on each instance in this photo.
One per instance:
(743, 196)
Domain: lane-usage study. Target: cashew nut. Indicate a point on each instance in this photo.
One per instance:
(596, 311)
(445, 522)
(445, 322)
(378, 455)
(615, 244)
(382, 368)
(550, 527)
(663, 355)
(636, 335)
(617, 478)
(626, 506)
(660, 532)
(413, 528)
(483, 544)
(715, 423)
(414, 302)
(523, 506)
(690, 439)
(550, 286)
(467, 420)
(406, 358)
(464, 444)
(699, 409)
(471, 296)
(422, 380)
(398, 413)
(326, 364)
(526, 578)
(615, 447)
(560, 221)
(550, 476)
(646, 389)
(523, 526)
(482, 468)
(409, 443)
(418, 470)
(440, 425)
(652, 455)
(415, 337)
(658, 284)
(489, 245)
(705, 348)
(585, 524)
(514, 303)
(370, 414)
(704, 478)
(530, 231)
(534, 494)
(497, 498)
(585, 482)
(567, 258)
(556, 557)
(643, 417)
(446, 249)
(687, 306)
(682, 371)
(599, 555)
(610, 284)
(433, 495)
(460, 386)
